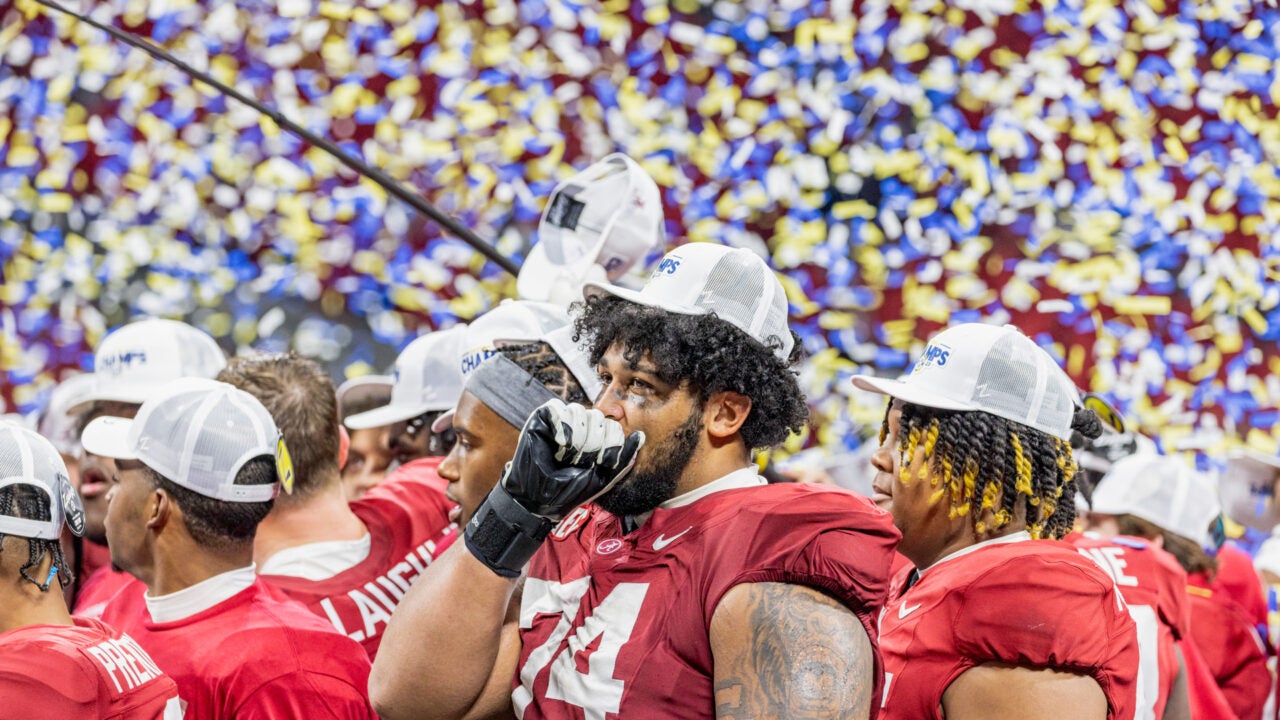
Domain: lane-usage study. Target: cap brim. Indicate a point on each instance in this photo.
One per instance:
(364, 385)
(908, 392)
(86, 403)
(594, 289)
(108, 437)
(444, 422)
(385, 415)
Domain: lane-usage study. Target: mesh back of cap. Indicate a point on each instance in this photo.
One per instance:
(199, 439)
(40, 472)
(1017, 381)
(741, 290)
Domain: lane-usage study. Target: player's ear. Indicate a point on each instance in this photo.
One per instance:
(160, 507)
(725, 413)
(344, 445)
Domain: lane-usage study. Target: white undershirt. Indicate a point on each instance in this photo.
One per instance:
(318, 561)
(199, 597)
(1012, 538)
(744, 478)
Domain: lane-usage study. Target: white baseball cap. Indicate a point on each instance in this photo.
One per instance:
(30, 460)
(992, 368)
(197, 433)
(512, 321)
(1163, 490)
(704, 278)
(57, 423)
(426, 379)
(597, 225)
(134, 360)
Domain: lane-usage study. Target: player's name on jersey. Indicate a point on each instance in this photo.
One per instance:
(1111, 559)
(379, 597)
(125, 662)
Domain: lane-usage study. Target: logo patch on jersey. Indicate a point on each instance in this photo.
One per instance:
(662, 541)
(284, 466)
(935, 355)
(610, 546)
(570, 523)
(905, 610)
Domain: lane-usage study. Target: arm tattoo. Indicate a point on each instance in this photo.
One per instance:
(790, 651)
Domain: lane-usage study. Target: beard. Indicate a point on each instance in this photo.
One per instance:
(654, 483)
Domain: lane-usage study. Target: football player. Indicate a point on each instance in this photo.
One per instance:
(350, 563)
(197, 470)
(1163, 500)
(690, 588)
(996, 620)
(129, 364)
(53, 666)
(368, 449)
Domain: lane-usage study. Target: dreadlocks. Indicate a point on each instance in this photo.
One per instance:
(544, 365)
(23, 501)
(989, 467)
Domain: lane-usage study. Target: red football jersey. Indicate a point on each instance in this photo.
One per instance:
(255, 656)
(86, 671)
(408, 521)
(1153, 585)
(93, 557)
(1230, 645)
(1035, 603)
(1239, 579)
(104, 584)
(616, 625)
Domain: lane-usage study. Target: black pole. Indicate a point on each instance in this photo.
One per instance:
(386, 181)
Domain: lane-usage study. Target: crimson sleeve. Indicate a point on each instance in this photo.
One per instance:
(830, 540)
(1050, 612)
(36, 685)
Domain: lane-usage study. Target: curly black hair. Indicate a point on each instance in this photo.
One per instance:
(987, 463)
(26, 501)
(704, 354)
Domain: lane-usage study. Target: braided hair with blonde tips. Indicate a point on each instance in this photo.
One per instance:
(989, 467)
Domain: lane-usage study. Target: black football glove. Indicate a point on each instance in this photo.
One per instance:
(567, 456)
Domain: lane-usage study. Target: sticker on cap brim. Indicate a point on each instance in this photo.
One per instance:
(72, 507)
(1105, 412)
(284, 466)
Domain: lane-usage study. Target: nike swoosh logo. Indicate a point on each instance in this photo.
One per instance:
(661, 541)
(905, 610)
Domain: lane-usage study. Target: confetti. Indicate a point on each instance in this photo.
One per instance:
(1105, 177)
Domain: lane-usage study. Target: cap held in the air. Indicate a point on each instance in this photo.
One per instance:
(597, 225)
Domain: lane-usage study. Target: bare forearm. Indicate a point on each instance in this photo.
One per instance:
(789, 651)
(440, 649)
